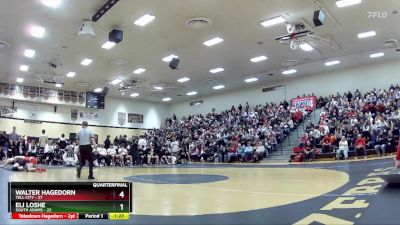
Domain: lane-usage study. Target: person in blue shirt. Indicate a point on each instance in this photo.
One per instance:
(240, 151)
(248, 151)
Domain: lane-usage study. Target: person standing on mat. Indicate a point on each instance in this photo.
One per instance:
(85, 140)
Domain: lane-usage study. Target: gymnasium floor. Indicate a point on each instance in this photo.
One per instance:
(320, 193)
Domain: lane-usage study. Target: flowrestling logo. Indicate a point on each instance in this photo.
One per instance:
(381, 14)
(377, 15)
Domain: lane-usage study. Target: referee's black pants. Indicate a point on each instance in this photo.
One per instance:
(86, 154)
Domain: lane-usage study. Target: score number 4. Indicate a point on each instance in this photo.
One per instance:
(122, 195)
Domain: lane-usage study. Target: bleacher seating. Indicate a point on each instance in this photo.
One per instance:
(373, 114)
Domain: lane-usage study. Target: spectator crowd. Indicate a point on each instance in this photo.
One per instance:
(242, 133)
(352, 123)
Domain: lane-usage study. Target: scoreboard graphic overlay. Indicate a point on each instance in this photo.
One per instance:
(70, 200)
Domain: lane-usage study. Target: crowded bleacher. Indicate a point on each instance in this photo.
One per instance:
(239, 134)
(351, 125)
(242, 133)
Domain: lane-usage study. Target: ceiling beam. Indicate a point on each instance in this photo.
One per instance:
(103, 10)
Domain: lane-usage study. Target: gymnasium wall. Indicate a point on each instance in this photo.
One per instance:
(154, 115)
(365, 78)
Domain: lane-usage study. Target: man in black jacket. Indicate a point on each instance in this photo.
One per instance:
(62, 143)
(107, 142)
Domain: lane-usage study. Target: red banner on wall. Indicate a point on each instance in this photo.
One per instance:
(308, 103)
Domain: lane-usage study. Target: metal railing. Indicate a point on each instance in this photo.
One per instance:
(309, 116)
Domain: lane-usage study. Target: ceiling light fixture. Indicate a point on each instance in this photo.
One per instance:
(273, 21)
(250, 80)
(306, 47)
(213, 41)
(259, 58)
(144, 20)
(98, 90)
(217, 70)
(166, 99)
(29, 53)
(191, 93)
(218, 87)
(37, 31)
(183, 79)
(377, 55)
(169, 58)
(344, 3)
(331, 63)
(58, 85)
(86, 62)
(116, 81)
(133, 95)
(24, 68)
(51, 3)
(196, 103)
(71, 74)
(287, 72)
(20, 80)
(366, 34)
(158, 88)
(139, 71)
(108, 45)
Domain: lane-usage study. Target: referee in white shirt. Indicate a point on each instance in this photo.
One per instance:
(85, 140)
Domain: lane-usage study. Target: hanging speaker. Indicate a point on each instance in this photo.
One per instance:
(116, 36)
(174, 63)
(105, 90)
(319, 17)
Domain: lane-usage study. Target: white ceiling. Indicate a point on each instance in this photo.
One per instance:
(236, 21)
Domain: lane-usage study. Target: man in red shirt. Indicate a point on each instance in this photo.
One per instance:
(360, 145)
(327, 144)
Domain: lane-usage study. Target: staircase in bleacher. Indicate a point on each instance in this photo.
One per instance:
(283, 155)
